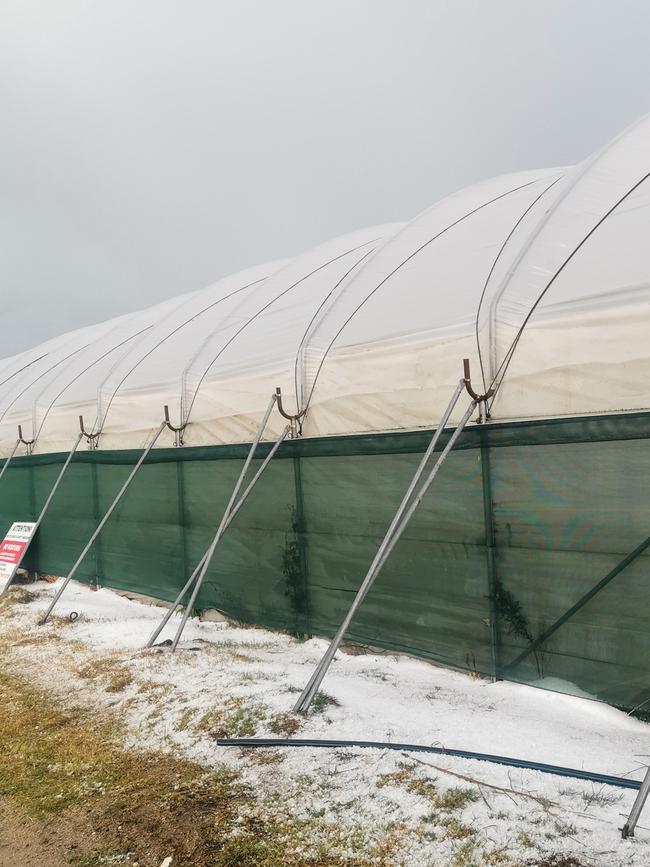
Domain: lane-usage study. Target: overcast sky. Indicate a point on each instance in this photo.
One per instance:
(148, 147)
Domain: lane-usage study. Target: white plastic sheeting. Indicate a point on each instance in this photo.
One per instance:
(368, 331)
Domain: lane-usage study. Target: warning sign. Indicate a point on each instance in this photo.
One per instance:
(12, 549)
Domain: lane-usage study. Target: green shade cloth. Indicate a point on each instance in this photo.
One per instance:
(522, 521)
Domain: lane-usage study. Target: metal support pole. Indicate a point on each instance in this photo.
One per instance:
(396, 524)
(172, 609)
(490, 553)
(180, 507)
(94, 477)
(532, 647)
(223, 523)
(9, 459)
(300, 586)
(103, 521)
(642, 796)
(397, 527)
(46, 506)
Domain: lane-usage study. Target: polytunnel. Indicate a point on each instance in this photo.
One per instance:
(527, 558)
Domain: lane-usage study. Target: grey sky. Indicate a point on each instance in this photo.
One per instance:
(149, 147)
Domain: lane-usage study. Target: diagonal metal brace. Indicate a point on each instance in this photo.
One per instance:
(207, 559)
(410, 502)
(45, 507)
(642, 796)
(9, 459)
(101, 524)
(231, 517)
(625, 562)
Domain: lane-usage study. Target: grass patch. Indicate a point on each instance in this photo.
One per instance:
(447, 801)
(152, 687)
(119, 681)
(556, 861)
(284, 724)
(321, 701)
(262, 757)
(95, 668)
(23, 596)
(455, 830)
(465, 856)
(600, 798)
(234, 720)
(563, 829)
(240, 656)
(110, 670)
(19, 638)
(186, 718)
(58, 621)
(443, 804)
(69, 762)
(16, 595)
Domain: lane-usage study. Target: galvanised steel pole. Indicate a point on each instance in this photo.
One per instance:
(9, 459)
(168, 615)
(222, 525)
(44, 509)
(628, 828)
(397, 527)
(103, 521)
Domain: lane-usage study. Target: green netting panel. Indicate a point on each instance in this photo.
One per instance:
(431, 596)
(522, 521)
(565, 515)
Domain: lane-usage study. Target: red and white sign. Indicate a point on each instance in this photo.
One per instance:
(12, 549)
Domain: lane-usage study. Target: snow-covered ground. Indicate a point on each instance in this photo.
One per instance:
(244, 679)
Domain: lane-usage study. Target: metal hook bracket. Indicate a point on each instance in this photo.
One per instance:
(481, 399)
(176, 430)
(293, 420)
(91, 438)
(29, 444)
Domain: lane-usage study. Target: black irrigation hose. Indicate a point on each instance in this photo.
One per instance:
(557, 770)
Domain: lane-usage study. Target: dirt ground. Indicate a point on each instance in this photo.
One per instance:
(29, 842)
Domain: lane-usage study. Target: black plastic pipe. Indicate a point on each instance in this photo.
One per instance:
(557, 770)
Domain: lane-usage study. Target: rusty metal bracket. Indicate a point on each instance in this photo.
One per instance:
(481, 399)
(292, 419)
(91, 438)
(176, 430)
(28, 443)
